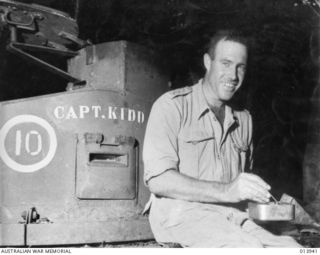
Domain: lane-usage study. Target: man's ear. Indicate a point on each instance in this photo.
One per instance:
(207, 61)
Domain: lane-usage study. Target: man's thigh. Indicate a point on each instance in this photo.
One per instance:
(202, 228)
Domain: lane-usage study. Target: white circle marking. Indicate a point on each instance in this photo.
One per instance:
(27, 119)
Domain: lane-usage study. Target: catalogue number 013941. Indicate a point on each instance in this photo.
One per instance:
(309, 251)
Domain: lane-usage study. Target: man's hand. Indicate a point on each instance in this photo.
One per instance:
(248, 187)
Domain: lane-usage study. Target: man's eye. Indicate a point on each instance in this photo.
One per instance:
(226, 64)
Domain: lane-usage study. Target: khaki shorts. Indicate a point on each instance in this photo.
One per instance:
(211, 227)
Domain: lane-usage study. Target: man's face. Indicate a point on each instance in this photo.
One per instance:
(225, 73)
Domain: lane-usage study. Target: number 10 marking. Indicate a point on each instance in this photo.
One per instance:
(27, 142)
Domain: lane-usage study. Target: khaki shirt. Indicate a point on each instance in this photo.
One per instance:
(184, 134)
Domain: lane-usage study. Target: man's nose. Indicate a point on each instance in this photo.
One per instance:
(233, 73)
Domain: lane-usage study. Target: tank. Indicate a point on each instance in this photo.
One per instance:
(70, 162)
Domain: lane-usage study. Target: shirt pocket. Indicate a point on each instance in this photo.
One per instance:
(192, 144)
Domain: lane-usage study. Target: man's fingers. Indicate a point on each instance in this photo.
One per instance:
(250, 187)
(256, 193)
(260, 200)
(256, 179)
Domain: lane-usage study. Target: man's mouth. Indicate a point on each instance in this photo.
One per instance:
(229, 86)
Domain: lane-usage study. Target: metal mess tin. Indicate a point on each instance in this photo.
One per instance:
(271, 211)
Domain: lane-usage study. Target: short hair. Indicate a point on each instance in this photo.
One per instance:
(226, 35)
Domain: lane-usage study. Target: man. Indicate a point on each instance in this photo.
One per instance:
(196, 151)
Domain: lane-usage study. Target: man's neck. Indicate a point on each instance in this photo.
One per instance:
(210, 96)
(217, 106)
(219, 112)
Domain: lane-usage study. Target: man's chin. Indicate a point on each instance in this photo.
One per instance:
(226, 98)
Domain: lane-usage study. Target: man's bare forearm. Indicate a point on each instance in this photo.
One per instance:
(172, 184)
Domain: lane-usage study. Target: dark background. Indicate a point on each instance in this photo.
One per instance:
(281, 80)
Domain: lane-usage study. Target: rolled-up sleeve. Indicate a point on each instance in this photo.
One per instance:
(160, 142)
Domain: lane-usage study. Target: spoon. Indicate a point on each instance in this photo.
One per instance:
(275, 200)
